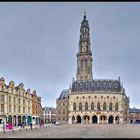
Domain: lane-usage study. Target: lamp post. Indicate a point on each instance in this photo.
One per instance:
(3, 122)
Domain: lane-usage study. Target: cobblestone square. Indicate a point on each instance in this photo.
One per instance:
(78, 131)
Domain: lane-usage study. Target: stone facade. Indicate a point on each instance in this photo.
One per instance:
(36, 108)
(49, 114)
(91, 100)
(134, 114)
(15, 103)
(62, 109)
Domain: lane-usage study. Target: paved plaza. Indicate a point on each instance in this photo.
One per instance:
(78, 131)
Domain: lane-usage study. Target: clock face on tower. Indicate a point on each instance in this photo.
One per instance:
(84, 46)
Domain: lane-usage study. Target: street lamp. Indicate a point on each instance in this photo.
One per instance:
(2, 113)
(3, 125)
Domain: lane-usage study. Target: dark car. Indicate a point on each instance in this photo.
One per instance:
(137, 122)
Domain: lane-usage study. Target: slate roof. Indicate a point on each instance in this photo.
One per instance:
(96, 85)
(64, 94)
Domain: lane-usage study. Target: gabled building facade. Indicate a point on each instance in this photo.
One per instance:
(92, 100)
(16, 104)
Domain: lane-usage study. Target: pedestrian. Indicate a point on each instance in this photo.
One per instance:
(31, 125)
(23, 124)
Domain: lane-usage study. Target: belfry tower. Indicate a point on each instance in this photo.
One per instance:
(84, 55)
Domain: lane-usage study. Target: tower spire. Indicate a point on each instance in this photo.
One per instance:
(84, 55)
(84, 14)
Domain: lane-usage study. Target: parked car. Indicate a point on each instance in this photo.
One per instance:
(137, 122)
(57, 123)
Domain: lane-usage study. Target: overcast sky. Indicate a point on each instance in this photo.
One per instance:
(39, 42)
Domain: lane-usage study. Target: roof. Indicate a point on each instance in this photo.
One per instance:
(96, 85)
(134, 110)
(64, 94)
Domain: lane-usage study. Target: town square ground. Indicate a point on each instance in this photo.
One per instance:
(78, 131)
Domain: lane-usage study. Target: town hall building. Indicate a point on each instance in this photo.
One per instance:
(90, 100)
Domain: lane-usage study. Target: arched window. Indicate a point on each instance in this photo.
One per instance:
(92, 106)
(80, 106)
(98, 106)
(74, 107)
(104, 106)
(86, 106)
(82, 62)
(85, 63)
(116, 107)
(63, 111)
(110, 107)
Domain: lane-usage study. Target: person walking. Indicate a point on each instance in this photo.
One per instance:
(31, 125)
(23, 124)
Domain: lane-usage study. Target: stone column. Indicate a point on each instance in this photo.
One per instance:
(70, 120)
(16, 120)
(98, 120)
(107, 120)
(114, 120)
(12, 119)
(90, 119)
(121, 120)
(82, 121)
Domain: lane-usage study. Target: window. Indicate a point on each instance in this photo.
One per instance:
(95, 97)
(74, 107)
(82, 64)
(110, 107)
(19, 109)
(98, 106)
(14, 108)
(59, 112)
(104, 106)
(86, 106)
(14, 99)
(2, 97)
(9, 108)
(19, 101)
(2, 107)
(92, 106)
(63, 111)
(116, 106)
(28, 103)
(9, 98)
(80, 106)
(63, 118)
(23, 109)
(29, 110)
(107, 97)
(23, 102)
(63, 104)
(85, 63)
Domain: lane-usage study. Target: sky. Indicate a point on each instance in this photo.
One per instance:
(39, 42)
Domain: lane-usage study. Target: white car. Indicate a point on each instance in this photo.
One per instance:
(57, 123)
